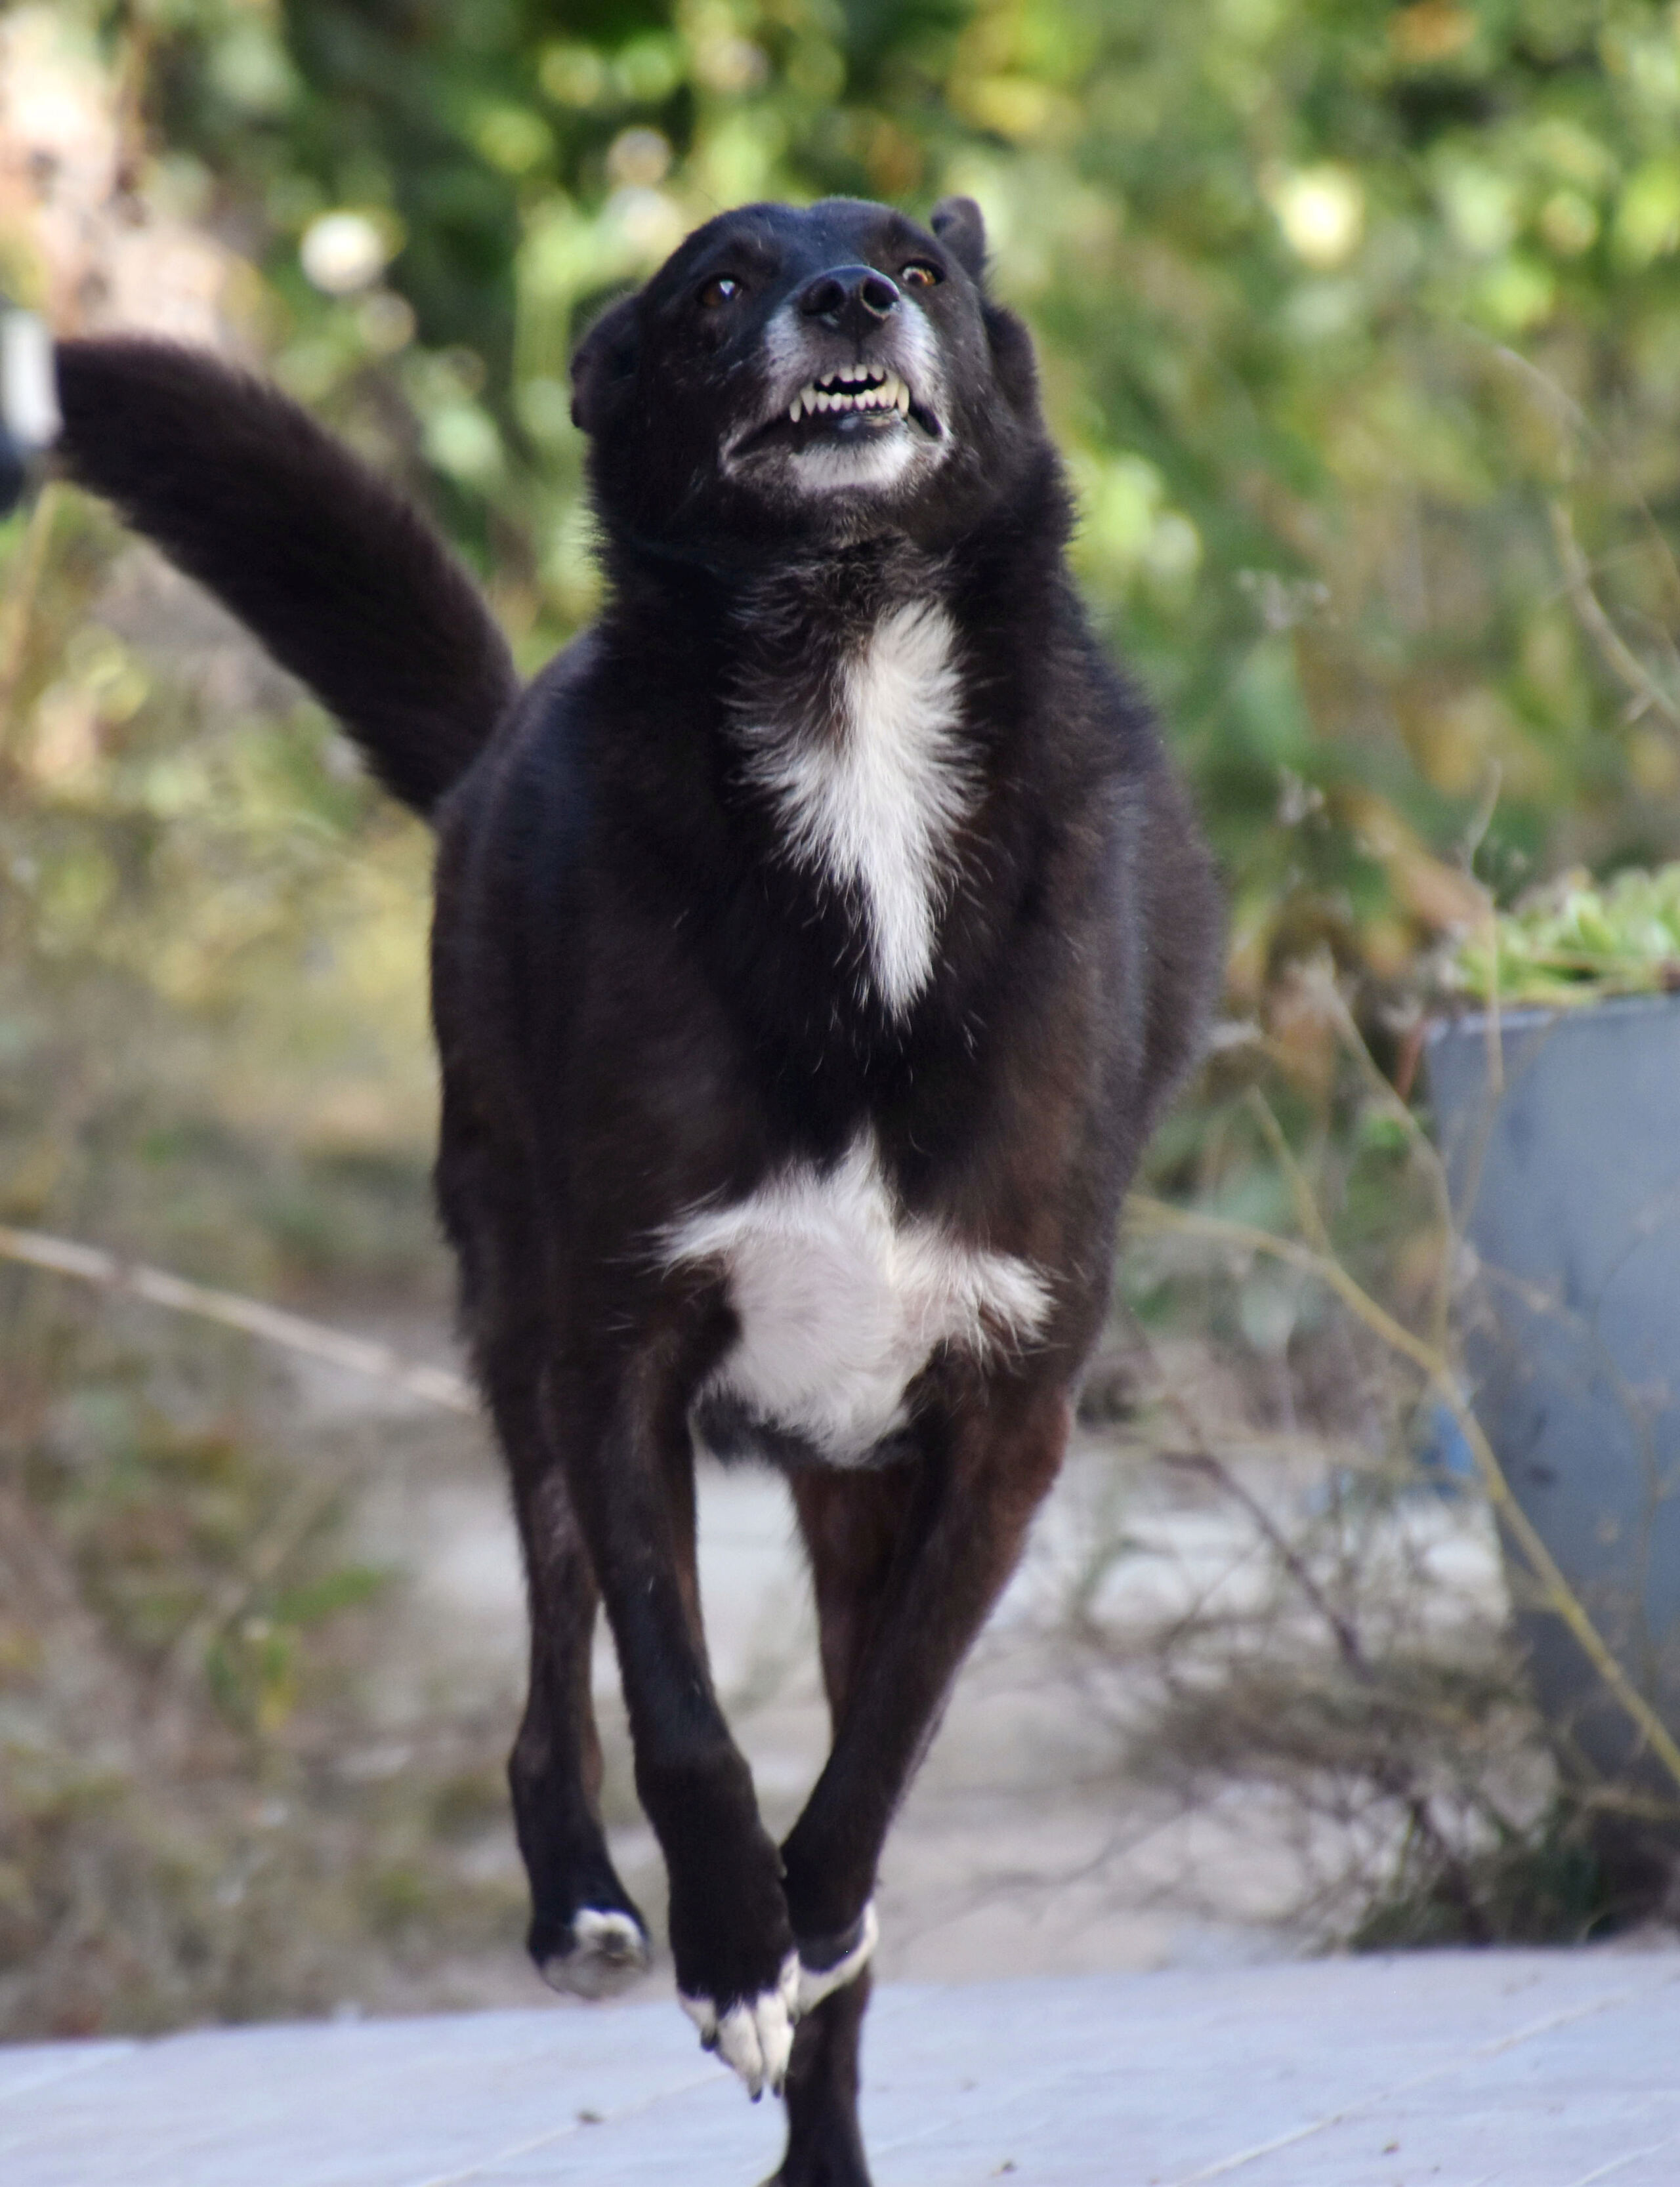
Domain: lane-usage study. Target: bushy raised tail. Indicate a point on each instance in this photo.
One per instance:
(343, 582)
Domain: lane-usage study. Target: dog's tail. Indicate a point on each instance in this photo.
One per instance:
(346, 585)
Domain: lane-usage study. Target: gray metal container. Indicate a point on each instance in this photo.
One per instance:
(1567, 1185)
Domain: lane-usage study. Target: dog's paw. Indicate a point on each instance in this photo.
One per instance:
(831, 1964)
(755, 2036)
(606, 1950)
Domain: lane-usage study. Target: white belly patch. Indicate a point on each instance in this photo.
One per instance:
(842, 1300)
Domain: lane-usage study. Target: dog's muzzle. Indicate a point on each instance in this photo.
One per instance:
(852, 369)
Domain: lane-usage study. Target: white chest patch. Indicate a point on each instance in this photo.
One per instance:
(842, 1300)
(875, 805)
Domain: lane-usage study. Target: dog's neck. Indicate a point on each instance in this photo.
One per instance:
(750, 601)
(793, 629)
(862, 711)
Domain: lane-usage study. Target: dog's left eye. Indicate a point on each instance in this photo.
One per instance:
(918, 274)
(720, 289)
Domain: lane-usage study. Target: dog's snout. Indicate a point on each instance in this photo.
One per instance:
(853, 299)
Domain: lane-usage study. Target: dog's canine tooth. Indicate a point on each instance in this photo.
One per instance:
(850, 387)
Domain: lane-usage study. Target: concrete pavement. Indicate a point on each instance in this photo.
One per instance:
(1440, 2070)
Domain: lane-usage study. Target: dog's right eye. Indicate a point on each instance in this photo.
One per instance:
(719, 291)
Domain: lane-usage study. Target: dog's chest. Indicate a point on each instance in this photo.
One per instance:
(841, 1301)
(870, 788)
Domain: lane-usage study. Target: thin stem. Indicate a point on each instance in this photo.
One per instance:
(1301, 1191)
(1618, 656)
(1341, 1630)
(1434, 1169)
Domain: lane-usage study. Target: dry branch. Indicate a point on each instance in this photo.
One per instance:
(1594, 619)
(313, 1339)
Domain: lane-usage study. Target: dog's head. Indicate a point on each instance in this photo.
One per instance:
(824, 373)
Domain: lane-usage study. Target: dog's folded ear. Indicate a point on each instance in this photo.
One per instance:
(603, 366)
(960, 226)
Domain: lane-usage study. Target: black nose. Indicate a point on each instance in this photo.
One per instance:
(853, 299)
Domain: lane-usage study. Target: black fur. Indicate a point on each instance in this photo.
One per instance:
(646, 1003)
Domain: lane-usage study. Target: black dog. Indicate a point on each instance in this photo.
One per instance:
(815, 941)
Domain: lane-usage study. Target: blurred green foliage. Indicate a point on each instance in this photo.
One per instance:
(1333, 302)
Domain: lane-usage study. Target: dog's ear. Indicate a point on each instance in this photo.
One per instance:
(960, 226)
(603, 365)
(1012, 357)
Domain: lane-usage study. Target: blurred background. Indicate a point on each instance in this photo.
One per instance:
(1360, 327)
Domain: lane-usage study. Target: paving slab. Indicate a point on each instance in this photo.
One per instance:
(1432, 2070)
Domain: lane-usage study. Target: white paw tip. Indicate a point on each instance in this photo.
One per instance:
(609, 1952)
(754, 2038)
(816, 1983)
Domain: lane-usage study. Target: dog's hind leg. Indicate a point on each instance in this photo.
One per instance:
(853, 1525)
(825, 2142)
(983, 1468)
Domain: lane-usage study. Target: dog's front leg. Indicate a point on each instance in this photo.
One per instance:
(631, 1467)
(983, 1475)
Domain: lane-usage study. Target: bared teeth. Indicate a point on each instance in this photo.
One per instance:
(853, 387)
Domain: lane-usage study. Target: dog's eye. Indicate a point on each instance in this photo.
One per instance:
(918, 274)
(720, 289)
